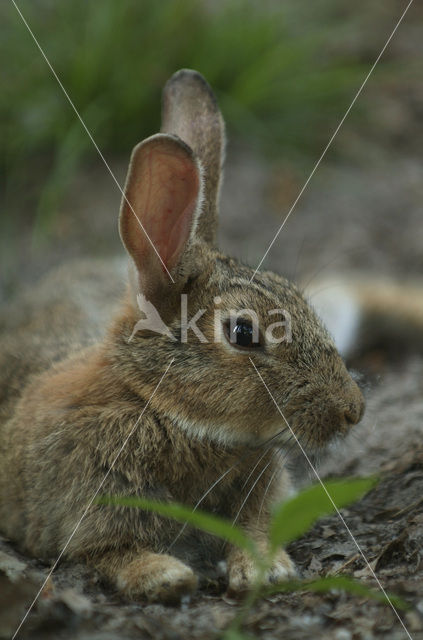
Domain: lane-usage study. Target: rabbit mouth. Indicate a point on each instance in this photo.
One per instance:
(316, 441)
(308, 454)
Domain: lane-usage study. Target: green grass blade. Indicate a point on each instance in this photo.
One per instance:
(342, 583)
(206, 522)
(294, 517)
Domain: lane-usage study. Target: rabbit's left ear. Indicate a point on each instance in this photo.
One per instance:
(159, 214)
(190, 111)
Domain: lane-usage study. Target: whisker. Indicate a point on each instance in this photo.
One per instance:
(305, 446)
(332, 285)
(255, 467)
(344, 252)
(267, 489)
(250, 491)
(203, 497)
(282, 456)
(304, 443)
(274, 437)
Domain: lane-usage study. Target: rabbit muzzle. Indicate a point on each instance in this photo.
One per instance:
(319, 415)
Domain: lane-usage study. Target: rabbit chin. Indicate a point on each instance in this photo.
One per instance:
(228, 437)
(213, 431)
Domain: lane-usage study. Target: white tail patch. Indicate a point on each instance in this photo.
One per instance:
(339, 309)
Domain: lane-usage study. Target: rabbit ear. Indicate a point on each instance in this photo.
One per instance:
(159, 213)
(190, 111)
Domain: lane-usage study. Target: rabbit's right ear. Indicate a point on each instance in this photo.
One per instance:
(158, 216)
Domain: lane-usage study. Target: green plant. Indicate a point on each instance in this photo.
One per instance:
(113, 59)
(290, 520)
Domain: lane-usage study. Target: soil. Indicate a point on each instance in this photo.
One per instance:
(387, 524)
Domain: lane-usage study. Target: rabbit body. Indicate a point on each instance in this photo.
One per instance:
(76, 384)
(65, 429)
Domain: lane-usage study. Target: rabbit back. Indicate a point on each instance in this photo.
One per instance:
(67, 311)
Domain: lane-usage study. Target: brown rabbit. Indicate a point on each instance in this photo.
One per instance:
(73, 384)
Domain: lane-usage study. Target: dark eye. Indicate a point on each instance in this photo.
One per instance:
(242, 334)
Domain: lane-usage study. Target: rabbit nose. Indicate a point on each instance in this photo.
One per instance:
(355, 409)
(354, 413)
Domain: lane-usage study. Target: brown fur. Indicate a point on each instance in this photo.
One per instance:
(78, 391)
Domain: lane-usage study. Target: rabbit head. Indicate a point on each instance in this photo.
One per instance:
(223, 327)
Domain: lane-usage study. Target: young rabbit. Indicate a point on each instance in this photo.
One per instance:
(72, 391)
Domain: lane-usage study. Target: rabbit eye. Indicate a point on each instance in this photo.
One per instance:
(241, 334)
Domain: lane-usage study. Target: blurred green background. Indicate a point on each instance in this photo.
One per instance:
(284, 73)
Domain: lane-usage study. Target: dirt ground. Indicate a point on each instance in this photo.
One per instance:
(359, 215)
(387, 523)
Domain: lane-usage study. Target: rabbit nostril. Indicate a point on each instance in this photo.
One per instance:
(350, 417)
(354, 413)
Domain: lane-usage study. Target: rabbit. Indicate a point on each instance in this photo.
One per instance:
(76, 381)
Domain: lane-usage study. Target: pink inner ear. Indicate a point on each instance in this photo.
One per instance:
(170, 203)
(163, 190)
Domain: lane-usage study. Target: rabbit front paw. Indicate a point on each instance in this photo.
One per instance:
(243, 572)
(157, 577)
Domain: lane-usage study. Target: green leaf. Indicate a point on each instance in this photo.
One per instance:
(206, 522)
(294, 517)
(343, 583)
